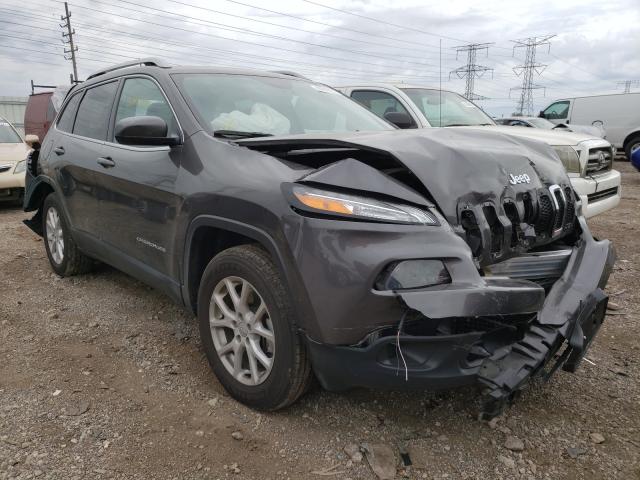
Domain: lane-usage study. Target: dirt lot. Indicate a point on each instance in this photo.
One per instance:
(102, 377)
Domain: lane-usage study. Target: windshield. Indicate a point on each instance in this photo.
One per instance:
(8, 134)
(447, 109)
(235, 104)
(541, 123)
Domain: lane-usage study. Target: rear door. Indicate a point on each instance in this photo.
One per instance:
(76, 150)
(138, 201)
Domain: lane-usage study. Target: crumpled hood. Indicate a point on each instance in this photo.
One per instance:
(12, 152)
(454, 164)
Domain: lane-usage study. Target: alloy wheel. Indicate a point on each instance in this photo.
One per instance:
(242, 331)
(55, 238)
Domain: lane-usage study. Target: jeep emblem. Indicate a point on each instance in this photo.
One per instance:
(516, 179)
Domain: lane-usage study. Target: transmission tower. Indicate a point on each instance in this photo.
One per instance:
(525, 103)
(471, 70)
(67, 39)
(627, 84)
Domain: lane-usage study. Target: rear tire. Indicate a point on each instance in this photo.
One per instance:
(257, 322)
(65, 257)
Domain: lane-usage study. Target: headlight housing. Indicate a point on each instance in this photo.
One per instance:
(20, 167)
(569, 158)
(358, 207)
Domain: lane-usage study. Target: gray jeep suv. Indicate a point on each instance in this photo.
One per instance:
(314, 239)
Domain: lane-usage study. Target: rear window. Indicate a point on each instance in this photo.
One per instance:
(92, 120)
(66, 119)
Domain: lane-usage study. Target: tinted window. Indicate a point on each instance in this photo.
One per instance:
(65, 123)
(142, 97)
(558, 110)
(379, 103)
(93, 113)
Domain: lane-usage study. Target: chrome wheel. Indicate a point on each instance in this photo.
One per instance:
(242, 330)
(55, 238)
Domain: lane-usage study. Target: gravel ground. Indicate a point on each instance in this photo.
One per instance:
(102, 377)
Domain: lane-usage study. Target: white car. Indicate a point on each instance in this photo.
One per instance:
(537, 122)
(619, 114)
(587, 158)
(13, 154)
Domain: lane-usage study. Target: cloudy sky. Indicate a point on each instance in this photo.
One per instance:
(339, 42)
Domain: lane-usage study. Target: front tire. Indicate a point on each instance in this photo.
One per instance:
(248, 332)
(65, 257)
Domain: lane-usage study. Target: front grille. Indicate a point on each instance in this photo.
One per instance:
(522, 221)
(558, 219)
(600, 160)
(545, 215)
(609, 192)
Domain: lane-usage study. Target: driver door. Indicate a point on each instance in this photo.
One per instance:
(138, 199)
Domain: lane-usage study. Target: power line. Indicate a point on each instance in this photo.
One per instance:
(338, 27)
(245, 31)
(525, 102)
(627, 84)
(471, 70)
(404, 27)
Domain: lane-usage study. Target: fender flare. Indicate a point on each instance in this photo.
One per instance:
(299, 297)
(32, 195)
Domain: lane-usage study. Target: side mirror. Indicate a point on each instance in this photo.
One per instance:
(31, 139)
(400, 119)
(541, 114)
(143, 130)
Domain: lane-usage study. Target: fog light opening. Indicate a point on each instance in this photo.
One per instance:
(412, 274)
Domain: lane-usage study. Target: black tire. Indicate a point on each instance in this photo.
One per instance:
(291, 370)
(73, 261)
(631, 145)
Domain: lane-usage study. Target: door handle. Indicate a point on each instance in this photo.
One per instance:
(59, 150)
(106, 162)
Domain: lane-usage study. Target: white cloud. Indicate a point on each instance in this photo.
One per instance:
(595, 44)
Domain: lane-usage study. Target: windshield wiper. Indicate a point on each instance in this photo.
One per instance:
(458, 125)
(239, 134)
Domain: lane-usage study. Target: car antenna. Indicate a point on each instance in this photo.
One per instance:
(440, 75)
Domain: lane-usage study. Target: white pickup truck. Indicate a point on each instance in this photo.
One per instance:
(588, 159)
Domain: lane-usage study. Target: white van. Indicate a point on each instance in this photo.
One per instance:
(618, 113)
(587, 158)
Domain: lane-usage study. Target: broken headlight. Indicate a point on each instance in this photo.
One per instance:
(569, 158)
(409, 274)
(357, 207)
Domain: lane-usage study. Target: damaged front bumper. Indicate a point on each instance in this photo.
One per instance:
(498, 335)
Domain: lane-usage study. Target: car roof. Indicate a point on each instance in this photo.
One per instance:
(149, 66)
(391, 84)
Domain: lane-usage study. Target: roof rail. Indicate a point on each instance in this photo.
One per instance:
(148, 62)
(290, 74)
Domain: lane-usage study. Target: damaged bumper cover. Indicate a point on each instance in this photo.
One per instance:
(498, 334)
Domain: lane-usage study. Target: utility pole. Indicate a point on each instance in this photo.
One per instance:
(627, 84)
(471, 70)
(525, 103)
(67, 39)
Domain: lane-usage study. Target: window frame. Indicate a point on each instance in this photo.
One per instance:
(112, 122)
(86, 89)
